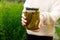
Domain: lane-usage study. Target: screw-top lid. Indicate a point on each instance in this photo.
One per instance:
(32, 9)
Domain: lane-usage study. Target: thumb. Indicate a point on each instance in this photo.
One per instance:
(40, 22)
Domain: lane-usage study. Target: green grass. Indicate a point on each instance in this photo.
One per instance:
(58, 29)
(58, 32)
(10, 21)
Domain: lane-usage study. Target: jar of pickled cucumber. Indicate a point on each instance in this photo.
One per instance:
(32, 17)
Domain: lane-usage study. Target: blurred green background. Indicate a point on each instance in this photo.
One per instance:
(10, 20)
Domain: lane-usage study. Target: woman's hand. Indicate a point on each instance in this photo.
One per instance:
(24, 21)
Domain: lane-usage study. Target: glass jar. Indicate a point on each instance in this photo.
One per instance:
(32, 17)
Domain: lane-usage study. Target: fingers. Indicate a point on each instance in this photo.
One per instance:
(23, 23)
(23, 20)
(23, 16)
(40, 25)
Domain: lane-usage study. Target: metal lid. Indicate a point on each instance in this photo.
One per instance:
(32, 9)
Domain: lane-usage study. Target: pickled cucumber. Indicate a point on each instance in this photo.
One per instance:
(32, 20)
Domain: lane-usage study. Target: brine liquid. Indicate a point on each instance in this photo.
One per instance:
(32, 20)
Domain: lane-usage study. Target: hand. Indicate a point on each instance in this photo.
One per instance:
(24, 21)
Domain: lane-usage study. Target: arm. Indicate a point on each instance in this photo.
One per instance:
(54, 14)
